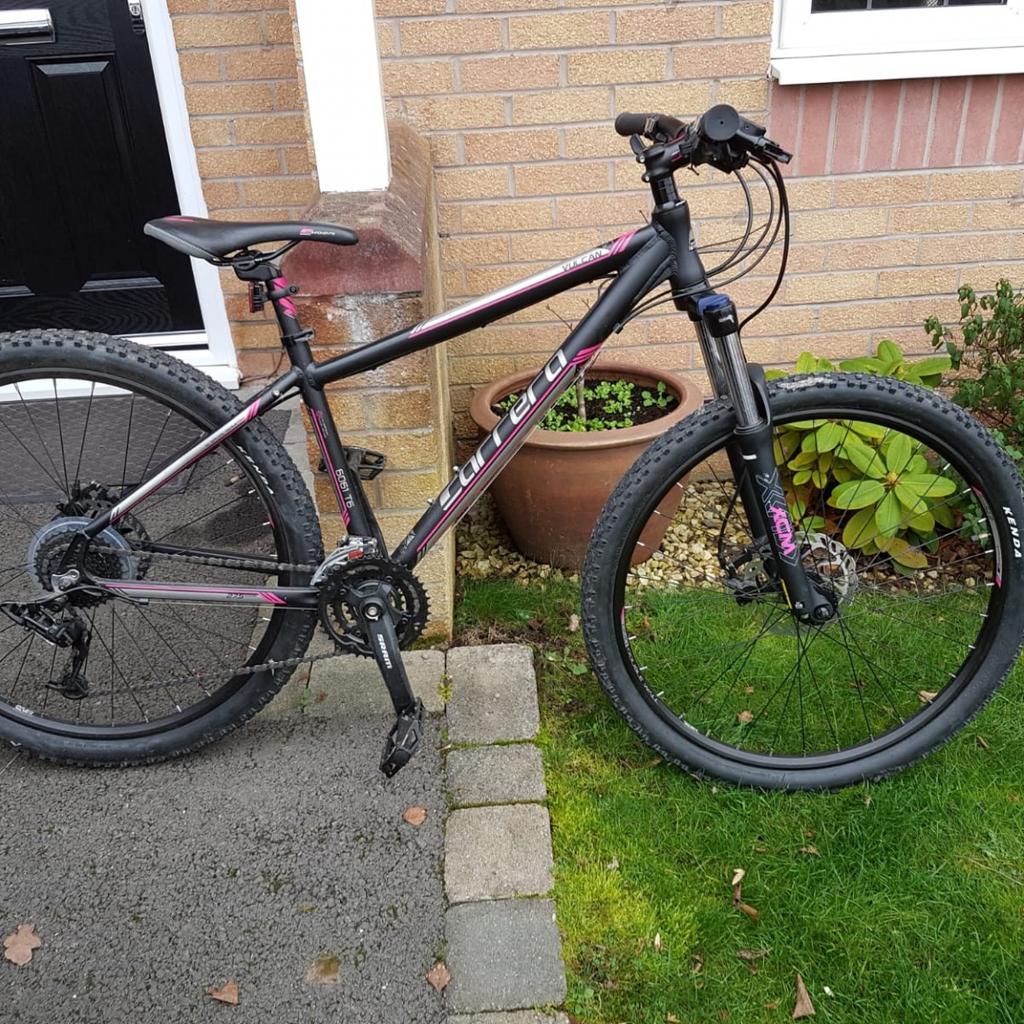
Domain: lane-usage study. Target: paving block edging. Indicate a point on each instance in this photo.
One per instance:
(503, 945)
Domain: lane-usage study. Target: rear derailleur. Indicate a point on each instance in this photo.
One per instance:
(58, 626)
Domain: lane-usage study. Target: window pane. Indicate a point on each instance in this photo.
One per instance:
(829, 6)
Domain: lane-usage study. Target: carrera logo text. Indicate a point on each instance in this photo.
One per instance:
(497, 439)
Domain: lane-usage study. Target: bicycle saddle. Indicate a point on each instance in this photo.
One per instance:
(215, 239)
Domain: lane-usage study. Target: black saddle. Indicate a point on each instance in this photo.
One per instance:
(216, 239)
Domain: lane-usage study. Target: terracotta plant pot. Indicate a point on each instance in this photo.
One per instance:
(553, 490)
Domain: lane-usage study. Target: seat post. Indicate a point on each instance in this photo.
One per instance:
(267, 282)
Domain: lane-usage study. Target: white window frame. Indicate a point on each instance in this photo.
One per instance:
(212, 349)
(914, 42)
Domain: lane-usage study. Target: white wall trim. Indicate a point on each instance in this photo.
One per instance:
(338, 40)
(220, 350)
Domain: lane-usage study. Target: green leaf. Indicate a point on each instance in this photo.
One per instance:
(889, 352)
(828, 436)
(943, 515)
(819, 479)
(857, 494)
(805, 425)
(860, 529)
(898, 453)
(866, 459)
(931, 365)
(903, 553)
(929, 485)
(863, 364)
(869, 430)
(802, 477)
(888, 515)
(923, 522)
(910, 498)
(805, 363)
(804, 460)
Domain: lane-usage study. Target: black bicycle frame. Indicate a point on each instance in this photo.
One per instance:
(635, 262)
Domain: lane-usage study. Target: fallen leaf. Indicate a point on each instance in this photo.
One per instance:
(671, 1018)
(324, 970)
(227, 993)
(1014, 798)
(867, 800)
(657, 942)
(574, 623)
(748, 689)
(19, 945)
(811, 851)
(803, 1006)
(698, 963)
(926, 696)
(613, 864)
(439, 976)
(982, 742)
(771, 1006)
(745, 717)
(827, 990)
(746, 908)
(750, 955)
(738, 875)
(808, 833)
(414, 815)
(723, 1015)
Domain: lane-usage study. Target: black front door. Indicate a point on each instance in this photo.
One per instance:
(83, 165)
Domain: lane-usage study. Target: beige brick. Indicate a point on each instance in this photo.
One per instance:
(187, 6)
(481, 280)
(479, 369)
(514, 147)
(983, 276)
(472, 183)
(667, 25)
(561, 106)
(407, 8)
(969, 248)
(500, 74)
(748, 96)
(922, 281)
(288, 96)
(559, 31)
(450, 112)
(444, 150)
(199, 66)
(929, 218)
(409, 490)
(349, 414)
(236, 162)
(686, 99)
(747, 19)
(854, 315)
(603, 210)
(549, 246)
(298, 160)
(264, 63)
(450, 35)
(810, 194)
(255, 335)
(617, 66)
(217, 30)
(517, 215)
(405, 449)
(998, 215)
(781, 321)
(210, 131)
(890, 252)
(512, 339)
(724, 60)
(387, 35)
(221, 194)
(279, 191)
(561, 178)
(264, 130)
(476, 250)
(229, 99)
(515, 6)
(882, 189)
(246, 5)
(417, 78)
(600, 141)
(958, 185)
(842, 346)
(411, 407)
(278, 28)
(829, 287)
(839, 224)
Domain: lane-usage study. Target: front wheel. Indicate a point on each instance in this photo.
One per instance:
(905, 510)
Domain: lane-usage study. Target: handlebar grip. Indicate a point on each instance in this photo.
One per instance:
(632, 124)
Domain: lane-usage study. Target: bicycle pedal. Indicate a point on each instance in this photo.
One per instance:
(403, 741)
(366, 462)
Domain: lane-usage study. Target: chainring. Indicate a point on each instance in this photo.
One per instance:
(348, 585)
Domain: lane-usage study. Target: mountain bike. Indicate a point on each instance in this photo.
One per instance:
(811, 581)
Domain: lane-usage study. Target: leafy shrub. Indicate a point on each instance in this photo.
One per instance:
(602, 405)
(989, 343)
(886, 495)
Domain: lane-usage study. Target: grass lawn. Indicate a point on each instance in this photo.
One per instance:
(904, 899)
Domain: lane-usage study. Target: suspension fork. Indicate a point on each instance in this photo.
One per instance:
(752, 456)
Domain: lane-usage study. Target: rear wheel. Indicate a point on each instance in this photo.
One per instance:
(906, 511)
(84, 419)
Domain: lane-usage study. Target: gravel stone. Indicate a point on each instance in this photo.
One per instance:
(503, 955)
(493, 694)
(496, 852)
(513, 773)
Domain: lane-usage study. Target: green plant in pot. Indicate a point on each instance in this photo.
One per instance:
(553, 490)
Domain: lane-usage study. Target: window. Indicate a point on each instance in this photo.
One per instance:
(861, 40)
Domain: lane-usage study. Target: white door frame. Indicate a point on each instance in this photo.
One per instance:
(212, 350)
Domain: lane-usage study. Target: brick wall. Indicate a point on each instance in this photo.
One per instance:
(901, 191)
(247, 113)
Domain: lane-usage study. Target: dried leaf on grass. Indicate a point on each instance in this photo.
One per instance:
(982, 742)
(574, 623)
(19, 945)
(324, 970)
(227, 993)
(439, 976)
(803, 1006)
(657, 942)
(751, 955)
(746, 908)
(745, 717)
(737, 896)
(738, 875)
(414, 815)
(810, 851)
(926, 696)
